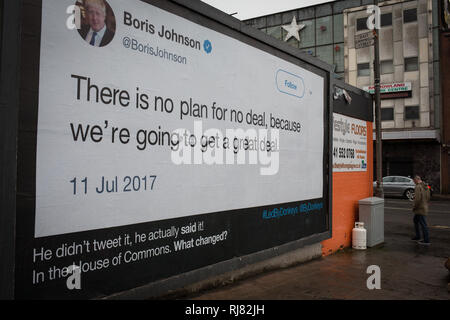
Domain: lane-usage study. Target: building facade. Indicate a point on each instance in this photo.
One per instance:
(444, 47)
(412, 107)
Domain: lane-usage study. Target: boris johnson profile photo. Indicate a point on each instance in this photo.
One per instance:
(98, 23)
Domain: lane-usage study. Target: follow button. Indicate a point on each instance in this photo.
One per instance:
(290, 83)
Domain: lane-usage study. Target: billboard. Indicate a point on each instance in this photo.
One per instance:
(164, 144)
(349, 144)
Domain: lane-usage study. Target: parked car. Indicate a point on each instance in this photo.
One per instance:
(399, 186)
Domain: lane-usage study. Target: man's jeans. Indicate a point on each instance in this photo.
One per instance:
(419, 220)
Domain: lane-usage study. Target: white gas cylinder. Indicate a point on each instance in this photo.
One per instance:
(359, 235)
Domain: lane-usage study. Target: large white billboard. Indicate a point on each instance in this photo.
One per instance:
(139, 122)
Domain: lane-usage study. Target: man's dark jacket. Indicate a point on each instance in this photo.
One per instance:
(107, 37)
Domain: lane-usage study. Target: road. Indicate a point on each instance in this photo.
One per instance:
(399, 226)
(408, 271)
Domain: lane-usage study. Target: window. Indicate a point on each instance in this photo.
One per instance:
(387, 114)
(411, 64)
(363, 69)
(388, 179)
(412, 113)
(361, 24)
(324, 30)
(386, 19)
(402, 180)
(386, 66)
(338, 28)
(410, 15)
(325, 53)
(307, 34)
(274, 32)
(339, 57)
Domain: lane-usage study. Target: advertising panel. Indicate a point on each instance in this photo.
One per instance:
(164, 146)
(349, 144)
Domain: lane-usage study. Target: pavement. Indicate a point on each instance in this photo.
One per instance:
(408, 271)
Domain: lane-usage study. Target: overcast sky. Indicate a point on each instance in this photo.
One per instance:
(247, 9)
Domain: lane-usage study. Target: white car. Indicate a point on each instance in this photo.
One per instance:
(399, 186)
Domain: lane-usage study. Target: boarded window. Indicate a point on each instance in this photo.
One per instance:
(387, 114)
(386, 66)
(361, 24)
(412, 113)
(410, 15)
(386, 19)
(363, 69)
(411, 64)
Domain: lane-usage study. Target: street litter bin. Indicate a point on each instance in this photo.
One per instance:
(371, 212)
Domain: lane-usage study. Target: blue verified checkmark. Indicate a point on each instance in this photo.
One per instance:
(207, 46)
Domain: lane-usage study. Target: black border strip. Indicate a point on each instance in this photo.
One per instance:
(175, 284)
(9, 109)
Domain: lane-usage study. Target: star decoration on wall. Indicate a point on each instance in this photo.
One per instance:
(293, 29)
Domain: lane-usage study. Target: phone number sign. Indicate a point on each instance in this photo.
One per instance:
(349, 144)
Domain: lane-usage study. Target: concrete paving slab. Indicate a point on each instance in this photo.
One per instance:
(408, 270)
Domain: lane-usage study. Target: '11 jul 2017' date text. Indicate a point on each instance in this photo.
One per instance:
(114, 184)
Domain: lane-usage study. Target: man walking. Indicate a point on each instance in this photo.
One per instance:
(420, 210)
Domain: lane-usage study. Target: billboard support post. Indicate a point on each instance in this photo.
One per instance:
(9, 112)
(376, 68)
